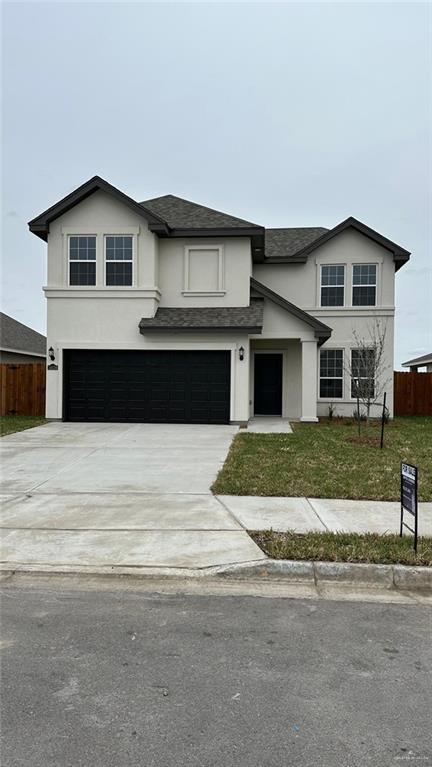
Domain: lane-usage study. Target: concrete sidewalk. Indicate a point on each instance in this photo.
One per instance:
(323, 515)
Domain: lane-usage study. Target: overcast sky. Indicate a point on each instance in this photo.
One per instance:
(284, 114)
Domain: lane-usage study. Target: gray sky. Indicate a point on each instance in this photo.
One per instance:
(285, 114)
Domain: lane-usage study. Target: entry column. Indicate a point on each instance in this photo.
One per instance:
(309, 375)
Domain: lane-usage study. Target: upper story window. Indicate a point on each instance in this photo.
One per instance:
(364, 285)
(333, 285)
(331, 373)
(118, 260)
(82, 260)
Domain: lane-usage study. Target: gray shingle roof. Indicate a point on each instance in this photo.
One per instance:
(15, 335)
(229, 318)
(283, 243)
(424, 360)
(183, 214)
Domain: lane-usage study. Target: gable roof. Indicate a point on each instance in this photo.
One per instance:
(248, 319)
(285, 243)
(171, 216)
(426, 359)
(400, 255)
(183, 214)
(40, 224)
(14, 336)
(322, 332)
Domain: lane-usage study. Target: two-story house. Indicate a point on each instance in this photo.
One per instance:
(169, 311)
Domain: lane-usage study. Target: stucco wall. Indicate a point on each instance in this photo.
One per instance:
(300, 283)
(237, 262)
(100, 214)
(110, 323)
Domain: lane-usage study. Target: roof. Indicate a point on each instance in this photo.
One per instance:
(248, 319)
(40, 224)
(171, 216)
(322, 332)
(400, 255)
(425, 360)
(14, 336)
(183, 214)
(285, 243)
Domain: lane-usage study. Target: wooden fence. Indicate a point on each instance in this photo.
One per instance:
(22, 389)
(412, 393)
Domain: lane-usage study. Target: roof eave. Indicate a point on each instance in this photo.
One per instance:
(40, 224)
(400, 254)
(249, 329)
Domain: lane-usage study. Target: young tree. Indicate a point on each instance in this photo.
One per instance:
(367, 368)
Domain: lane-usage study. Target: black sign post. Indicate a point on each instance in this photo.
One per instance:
(409, 480)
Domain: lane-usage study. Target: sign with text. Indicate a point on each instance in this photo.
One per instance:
(409, 482)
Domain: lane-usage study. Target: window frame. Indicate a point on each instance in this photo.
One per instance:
(321, 286)
(78, 260)
(118, 261)
(220, 291)
(359, 285)
(335, 378)
(354, 399)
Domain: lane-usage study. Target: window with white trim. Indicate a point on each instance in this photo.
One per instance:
(118, 260)
(82, 259)
(332, 285)
(331, 373)
(362, 373)
(364, 284)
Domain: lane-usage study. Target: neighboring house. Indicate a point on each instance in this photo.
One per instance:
(169, 311)
(419, 362)
(19, 343)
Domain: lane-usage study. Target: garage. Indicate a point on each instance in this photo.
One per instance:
(146, 386)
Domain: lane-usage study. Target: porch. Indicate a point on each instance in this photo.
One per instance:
(283, 379)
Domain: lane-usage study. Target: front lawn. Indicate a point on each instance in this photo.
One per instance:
(325, 460)
(345, 547)
(12, 423)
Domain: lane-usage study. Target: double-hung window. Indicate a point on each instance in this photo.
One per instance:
(364, 285)
(82, 260)
(331, 373)
(332, 285)
(118, 260)
(363, 373)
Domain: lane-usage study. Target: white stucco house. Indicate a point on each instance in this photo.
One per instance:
(169, 311)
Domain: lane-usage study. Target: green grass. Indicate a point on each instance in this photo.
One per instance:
(12, 423)
(325, 461)
(345, 547)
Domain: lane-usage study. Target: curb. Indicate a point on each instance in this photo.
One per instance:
(396, 577)
(400, 577)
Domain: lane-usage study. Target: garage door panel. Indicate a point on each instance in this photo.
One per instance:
(156, 386)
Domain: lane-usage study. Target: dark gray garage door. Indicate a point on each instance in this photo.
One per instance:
(159, 386)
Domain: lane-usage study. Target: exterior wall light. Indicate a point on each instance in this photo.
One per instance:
(51, 354)
(241, 354)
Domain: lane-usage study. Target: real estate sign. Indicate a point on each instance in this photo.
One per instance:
(409, 483)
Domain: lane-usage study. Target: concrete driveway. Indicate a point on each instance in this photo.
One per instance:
(104, 496)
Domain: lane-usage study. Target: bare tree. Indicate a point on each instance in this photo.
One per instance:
(367, 368)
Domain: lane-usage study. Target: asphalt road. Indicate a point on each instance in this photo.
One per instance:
(114, 678)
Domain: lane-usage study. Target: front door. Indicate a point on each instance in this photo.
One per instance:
(268, 384)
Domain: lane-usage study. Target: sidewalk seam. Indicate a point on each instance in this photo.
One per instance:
(316, 514)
